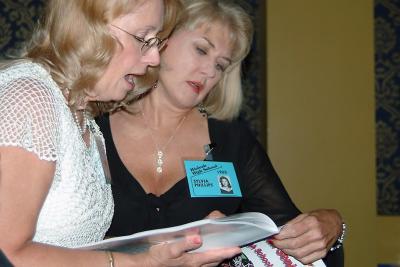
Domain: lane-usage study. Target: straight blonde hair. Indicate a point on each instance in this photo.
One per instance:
(173, 9)
(225, 99)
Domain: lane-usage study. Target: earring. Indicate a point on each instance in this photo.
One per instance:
(202, 109)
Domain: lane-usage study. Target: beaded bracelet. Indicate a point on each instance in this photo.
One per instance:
(110, 258)
(340, 240)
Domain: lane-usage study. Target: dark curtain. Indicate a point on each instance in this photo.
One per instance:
(387, 80)
(17, 21)
(254, 72)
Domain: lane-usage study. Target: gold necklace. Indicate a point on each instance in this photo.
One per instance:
(160, 151)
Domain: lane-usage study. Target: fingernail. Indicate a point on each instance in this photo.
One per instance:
(197, 240)
(270, 241)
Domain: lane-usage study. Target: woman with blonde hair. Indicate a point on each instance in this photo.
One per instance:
(55, 193)
(190, 114)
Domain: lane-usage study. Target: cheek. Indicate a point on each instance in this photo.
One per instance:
(177, 57)
(212, 83)
(169, 63)
(126, 57)
(130, 58)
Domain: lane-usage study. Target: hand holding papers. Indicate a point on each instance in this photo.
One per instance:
(235, 230)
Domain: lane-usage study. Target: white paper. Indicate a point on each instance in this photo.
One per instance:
(236, 230)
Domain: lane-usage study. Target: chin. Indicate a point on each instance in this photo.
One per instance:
(120, 96)
(117, 99)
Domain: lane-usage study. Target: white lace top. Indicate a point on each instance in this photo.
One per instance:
(34, 116)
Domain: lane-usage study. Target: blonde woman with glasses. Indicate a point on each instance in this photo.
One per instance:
(55, 192)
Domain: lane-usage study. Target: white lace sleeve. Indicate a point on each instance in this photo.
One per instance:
(28, 117)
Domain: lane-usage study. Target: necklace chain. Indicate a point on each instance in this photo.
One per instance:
(82, 127)
(160, 151)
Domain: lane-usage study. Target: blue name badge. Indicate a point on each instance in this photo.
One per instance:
(212, 179)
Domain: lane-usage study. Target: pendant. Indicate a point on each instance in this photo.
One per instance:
(160, 161)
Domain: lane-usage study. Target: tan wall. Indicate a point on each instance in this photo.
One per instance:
(388, 229)
(321, 111)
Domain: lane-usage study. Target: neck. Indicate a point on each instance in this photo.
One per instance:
(159, 114)
(161, 147)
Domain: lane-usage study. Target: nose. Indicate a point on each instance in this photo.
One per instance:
(152, 57)
(208, 69)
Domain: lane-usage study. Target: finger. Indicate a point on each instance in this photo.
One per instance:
(215, 214)
(214, 256)
(191, 242)
(192, 231)
(308, 251)
(311, 238)
(161, 253)
(174, 254)
(308, 259)
(292, 243)
(211, 264)
(176, 249)
(291, 231)
(297, 227)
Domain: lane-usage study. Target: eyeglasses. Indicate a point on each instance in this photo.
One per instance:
(147, 45)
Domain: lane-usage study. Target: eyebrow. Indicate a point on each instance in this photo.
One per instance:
(213, 46)
(150, 28)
